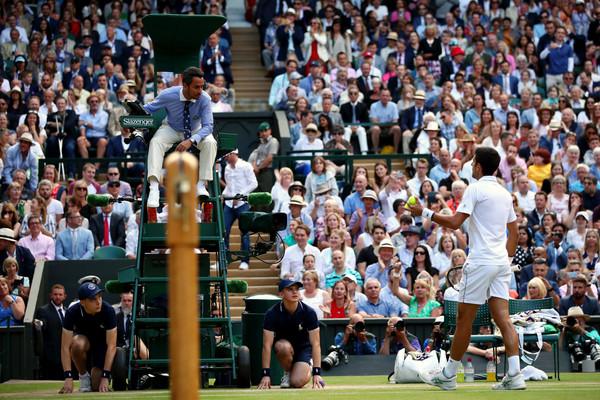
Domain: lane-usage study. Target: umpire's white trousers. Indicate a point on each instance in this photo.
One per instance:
(162, 141)
(361, 133)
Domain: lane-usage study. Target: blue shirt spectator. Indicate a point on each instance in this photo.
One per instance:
(98, 121)
(20, 156)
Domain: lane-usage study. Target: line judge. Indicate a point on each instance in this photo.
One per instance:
(189, 122)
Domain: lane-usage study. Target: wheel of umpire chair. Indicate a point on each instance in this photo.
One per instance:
(243, 372)
(119, 370)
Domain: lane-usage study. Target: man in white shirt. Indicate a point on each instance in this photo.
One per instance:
(525, 196)
(11, 23)
(486, 274)
(53, 207)
(414, 184)
(308, 142)
(239, 179)
(294, 255)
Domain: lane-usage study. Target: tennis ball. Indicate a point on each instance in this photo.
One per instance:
(412, 200)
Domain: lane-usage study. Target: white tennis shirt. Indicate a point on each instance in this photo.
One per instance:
(490, 208)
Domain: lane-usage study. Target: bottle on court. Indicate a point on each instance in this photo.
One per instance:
(469, 371)
(490, 371)
(460, 373)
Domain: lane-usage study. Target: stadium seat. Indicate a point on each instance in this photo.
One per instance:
(516, 306)
(482, 318)
(109, 253)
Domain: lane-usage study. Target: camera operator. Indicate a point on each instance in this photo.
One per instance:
(437, 340)
(581, 339)
(355, 340)
(398, 338)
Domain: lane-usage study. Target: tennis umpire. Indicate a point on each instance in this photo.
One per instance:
(89, 339)
(294, 329)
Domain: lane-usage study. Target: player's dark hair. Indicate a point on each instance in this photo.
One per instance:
(488, 158)
(190, 73)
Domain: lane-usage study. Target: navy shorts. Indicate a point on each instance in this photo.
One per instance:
(96, 355)
(97, 352)
(94, 140)
(303, 354)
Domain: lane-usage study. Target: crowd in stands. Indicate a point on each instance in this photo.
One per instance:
(66, 67)
(436, 79)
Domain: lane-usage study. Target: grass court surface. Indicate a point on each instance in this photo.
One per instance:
(571, 386)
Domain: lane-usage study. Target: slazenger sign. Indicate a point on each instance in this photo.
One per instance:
(137, 122)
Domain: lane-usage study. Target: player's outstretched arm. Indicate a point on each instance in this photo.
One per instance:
(449, 221)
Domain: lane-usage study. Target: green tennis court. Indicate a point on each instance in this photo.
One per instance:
(583, 386)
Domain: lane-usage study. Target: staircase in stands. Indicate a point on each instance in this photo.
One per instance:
(251, 86)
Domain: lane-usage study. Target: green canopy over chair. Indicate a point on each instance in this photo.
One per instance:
(171, 53)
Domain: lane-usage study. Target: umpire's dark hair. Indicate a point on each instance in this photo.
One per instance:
(190, 73)
(488, 158)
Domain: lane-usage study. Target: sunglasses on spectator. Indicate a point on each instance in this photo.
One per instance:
(81, 188)
(419, 253)
(113, 173)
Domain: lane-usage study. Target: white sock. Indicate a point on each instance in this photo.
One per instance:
(200, 185)
(153, 184)
(451, 368)
(514, 365)
(84, 375)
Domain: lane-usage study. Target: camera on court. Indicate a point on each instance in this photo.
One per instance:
(335, 357)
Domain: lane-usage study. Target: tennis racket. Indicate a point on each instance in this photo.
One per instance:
(454, 275)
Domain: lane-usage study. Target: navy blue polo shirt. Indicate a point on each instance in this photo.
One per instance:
(94, 327)
(292, 327)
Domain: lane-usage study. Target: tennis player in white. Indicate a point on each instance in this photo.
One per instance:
(487, 273)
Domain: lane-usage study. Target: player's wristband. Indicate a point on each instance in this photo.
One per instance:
(106, 374)
(266, 372)
(427, 213)
(316, 371)
(68, 374)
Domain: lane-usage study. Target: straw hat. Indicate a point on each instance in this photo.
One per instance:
(576, 312)
(369, 194)
(297, 184)
(419, 95)
(384, 244)
(297, 201)
(26, 137)
(7, 234)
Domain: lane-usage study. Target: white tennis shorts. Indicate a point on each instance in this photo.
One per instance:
(480, 282)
